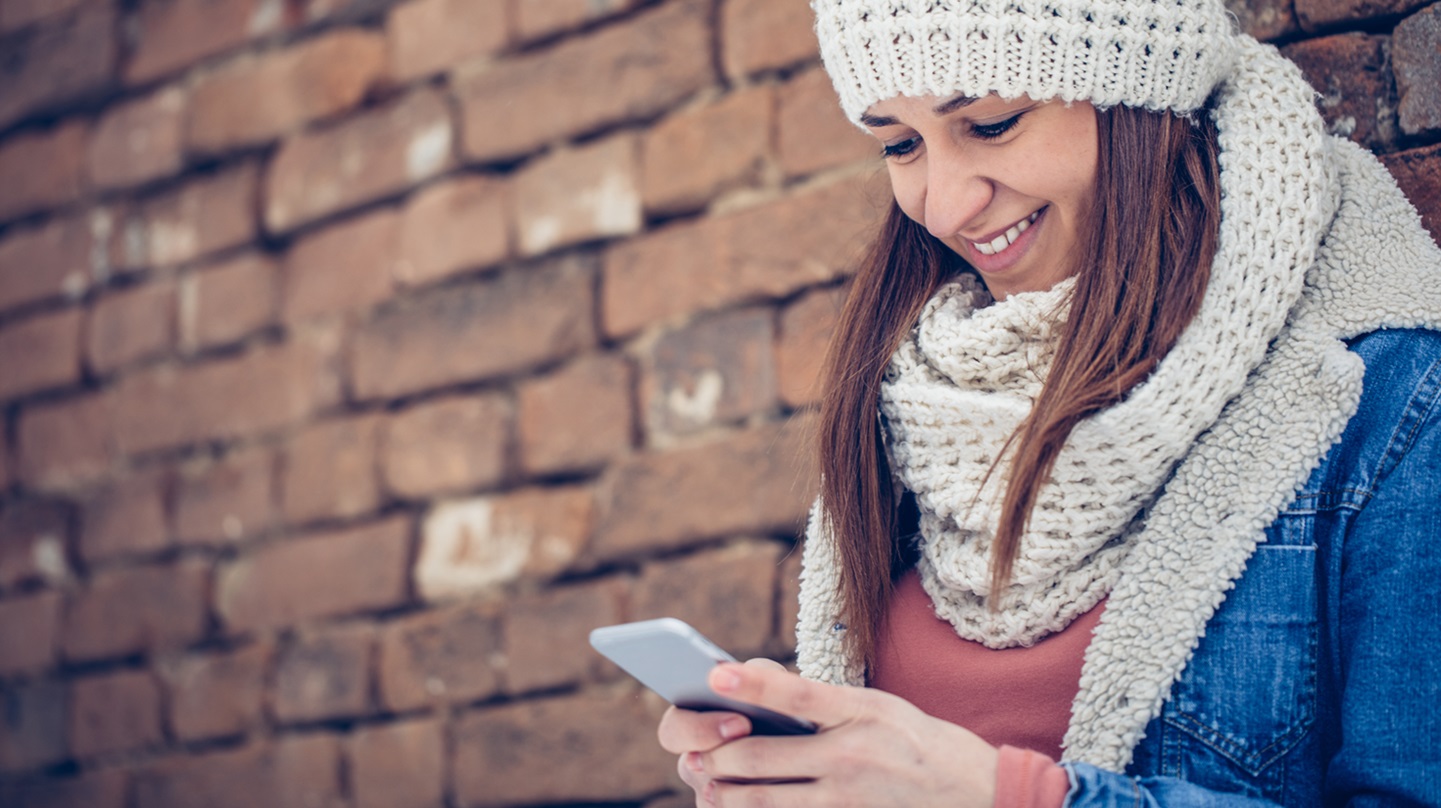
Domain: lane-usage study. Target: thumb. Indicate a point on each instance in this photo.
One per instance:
(762, 662)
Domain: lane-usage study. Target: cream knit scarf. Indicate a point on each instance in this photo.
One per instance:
(1156, 503)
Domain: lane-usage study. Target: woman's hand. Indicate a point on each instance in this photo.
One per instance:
(874, 749)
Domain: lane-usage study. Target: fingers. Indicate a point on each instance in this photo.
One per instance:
(763, 662)
(684, 731)
(785, 692)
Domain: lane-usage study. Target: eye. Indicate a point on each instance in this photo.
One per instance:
(991, 131)
(900, 149)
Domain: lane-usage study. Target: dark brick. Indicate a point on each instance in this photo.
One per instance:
(58, 61)
(34, 541)
(1416, 62)
(324, 675)
(547, 633)
(1316, 15)
(728, 594)
(716, 370)
(32, 725)
(214, 695)
(151, 608)
(125, 518)
(115, 712)
(399, 765)
(1350, 71)
(296, 771)
(1418, 172)
(96, 788)
(226, 501)
(445, 656)
(29, 630)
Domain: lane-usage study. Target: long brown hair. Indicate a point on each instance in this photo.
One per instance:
(1140, 275)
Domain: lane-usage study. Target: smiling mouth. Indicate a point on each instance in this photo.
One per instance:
(1007, 238)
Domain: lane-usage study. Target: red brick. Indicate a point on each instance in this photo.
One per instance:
(41, 353)
(64, 445)
(33, 539)
(453, 227)
(130, 325)
(766, 34)
(1316, 15)
(476, 331)
(631, 70)
(321, 575)
(261, 390)
(228, 302)
(169, 35)
(578, 195)
(756, 481)
(591, 747)
(16, 14)
(126, 611)
(324, 675)
(790, 601)
(1349, 71)
(59, 61)
(805, 334)
(766, 251)
(125, 518)
(547, 633)
(29, 628)
(429, 36)
(718, 369)
(1415, 45)
(34, 728)
(728, 594)
(691, 157)
(446, 446)
(1264, 19)
(259, 97)
(538, 18)
(215, 695)
(226, 501)
(295, 771)
(1418, 172)
(201, 217)
(472, 546)
(139, 141)
(812, 133)
(369, 156)
(6, 461)
(97, 788)
(46, 262)
(42, 169)
(443, 656)
(398, 765)
(116, 712)
(329, 470)
(578, 418)
(348, 267)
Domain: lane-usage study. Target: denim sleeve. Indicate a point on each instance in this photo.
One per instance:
(1097, 788)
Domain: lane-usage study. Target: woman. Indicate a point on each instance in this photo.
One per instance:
(1131, 450)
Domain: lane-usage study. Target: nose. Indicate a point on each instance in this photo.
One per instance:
(956, 192)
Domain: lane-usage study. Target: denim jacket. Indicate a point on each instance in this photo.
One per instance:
(1318, 681)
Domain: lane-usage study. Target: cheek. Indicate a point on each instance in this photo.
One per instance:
(910, 196)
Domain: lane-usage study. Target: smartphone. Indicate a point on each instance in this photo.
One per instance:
(673, 659)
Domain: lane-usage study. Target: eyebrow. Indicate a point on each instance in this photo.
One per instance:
(942, 109)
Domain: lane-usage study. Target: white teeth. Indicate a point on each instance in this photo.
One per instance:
(1007, 238)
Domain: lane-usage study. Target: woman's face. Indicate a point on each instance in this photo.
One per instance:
(1006, 184)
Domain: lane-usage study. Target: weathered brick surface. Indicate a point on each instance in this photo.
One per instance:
(29, 632)
(1416, 62)
(333, 573)
(768, 250)
(766, 34)
(139, 141)
(376, 154)
(1264, 19)
(324, 674)
(452, 227)
(751, 481)
(728, 594)
(34, 536)
(48, 261)
(61, 59)
(399, 765)
(215, 694)
(124, 518)
(226, 500)
(255, 99)
(329, 470)
(16, 14)
(96, 788)
(805, 330)
(538, 18)
(1358, 99)
(442, 656)
(152, 608)
(428, 36)
(201, 217)
(574, 196)
(1318, 15)
(63, 445)
(472, 546)
(718, 369)
(812, 134)
(171, 34)
(691, 157)
(41, 353)
(1418, 172)
(547, 633)
(546, 750)
(292, 771)
(348, 267)
(114, 712)
(465, 333)
(33, 732)
(228, 301)
(42, 169)
(446, 446)
(130, 325)
(577, 418)
(617, 73)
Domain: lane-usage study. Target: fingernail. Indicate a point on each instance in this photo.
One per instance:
(732, 728)
(725, 681)
(693, 762)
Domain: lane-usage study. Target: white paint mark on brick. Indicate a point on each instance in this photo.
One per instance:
(48, 553)
(102, 225)
(616, 205)
(541, 233)
(697, 406)
(189, 307)
(267, 17)
(464, 550)
(173, 241)
(427, 152)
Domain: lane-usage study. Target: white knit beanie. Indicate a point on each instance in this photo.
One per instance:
(1156, 54)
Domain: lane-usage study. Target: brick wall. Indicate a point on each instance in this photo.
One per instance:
(360, 356)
